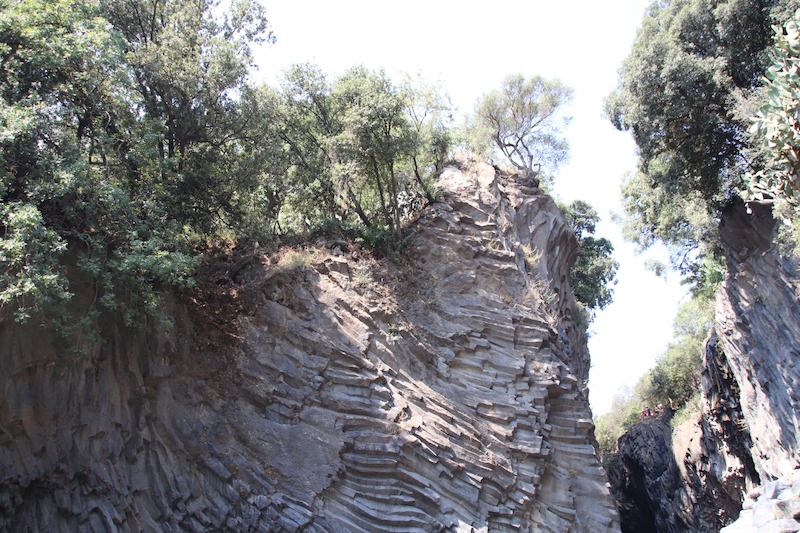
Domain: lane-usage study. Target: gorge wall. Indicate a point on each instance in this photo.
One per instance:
(441, 391)
(697, 477)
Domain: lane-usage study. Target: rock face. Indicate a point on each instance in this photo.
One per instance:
(748, 431)
(758, 324)
(443, 392)
(688, 479)
(644, 477)
(773, 507)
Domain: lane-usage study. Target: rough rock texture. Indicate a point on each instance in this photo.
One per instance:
(683, 480)
(771, 508)
(443, 392)
(644, 477)
(748, 431)
(758, 324)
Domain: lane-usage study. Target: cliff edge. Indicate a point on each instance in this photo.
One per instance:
(698, 476)
(442, 391)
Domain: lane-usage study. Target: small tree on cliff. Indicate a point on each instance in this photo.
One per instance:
(595, 271)
(523, 121)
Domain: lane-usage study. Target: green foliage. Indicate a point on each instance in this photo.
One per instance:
(120, 138)
(594, 272)
(523, 120)
(375, 135)
(30, 273)
(690, 409)
(625, 411)
(691, 62)
(653, 214)
(187, 66)
(359, 148)
(776, 127)
(676, 375)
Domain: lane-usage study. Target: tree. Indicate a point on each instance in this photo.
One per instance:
(692, 60)
(308, 121)
(188, 63)
(429, 115)
(361, 148)
(676, 375)
(126, 125)
(776, 127)
(625, 411)
(523, 120)
(376, 135)
(59, 63)
(684, 224)
(594, 272)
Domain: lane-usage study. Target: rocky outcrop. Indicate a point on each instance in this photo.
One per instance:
(686, 479)
(747, 432)
(443, 391)
(644, 477)
(773, 507)
(758, 324)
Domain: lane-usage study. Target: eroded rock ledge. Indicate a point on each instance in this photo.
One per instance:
(443, 392)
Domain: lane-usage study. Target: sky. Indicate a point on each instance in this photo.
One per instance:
(467, 48)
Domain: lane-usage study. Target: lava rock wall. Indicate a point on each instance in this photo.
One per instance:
(697, 476)
(440, 391)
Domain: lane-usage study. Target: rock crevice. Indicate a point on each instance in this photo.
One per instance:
(747, 432)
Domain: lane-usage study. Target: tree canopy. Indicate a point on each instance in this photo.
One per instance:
(123, 123)
(594, 273)
(131, 135)
(693, 62)
(522, 120)
(367, 146)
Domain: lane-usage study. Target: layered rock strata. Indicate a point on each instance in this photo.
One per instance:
(441, 392)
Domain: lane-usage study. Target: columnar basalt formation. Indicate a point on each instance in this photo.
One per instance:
(690, 478)
(747, 433)
(442, 391)
(758, 324)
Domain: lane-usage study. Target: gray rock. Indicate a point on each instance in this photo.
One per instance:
(442, 393)
(776, 510)
(758, 323)
(747, 431)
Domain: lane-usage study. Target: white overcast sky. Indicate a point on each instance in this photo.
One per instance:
(468, 48)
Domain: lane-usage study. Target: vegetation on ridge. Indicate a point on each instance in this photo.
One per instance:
(132, 138)
(595, 271)
(712, 103)
(522, 120)
(683, 94)
(674, 381)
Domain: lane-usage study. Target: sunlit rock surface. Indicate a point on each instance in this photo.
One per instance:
(441, 391)
(774, 506)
